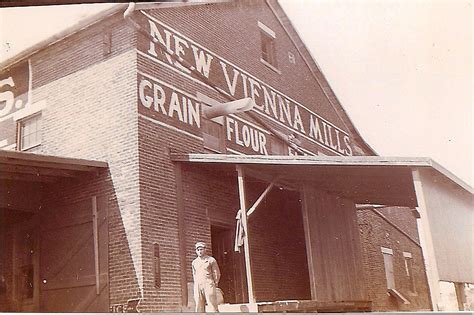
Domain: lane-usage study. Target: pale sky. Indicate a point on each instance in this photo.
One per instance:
(401, 69)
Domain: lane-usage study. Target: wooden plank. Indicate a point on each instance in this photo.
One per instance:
(303, 160)
(35, 170)
(88, 300)
(313, 306)
(73, 167)
(335, 247)
(460, 294)
(393, 292)
(73, 282)
(248, 261)
(15, 156)
(260, 199)
(28, 178)
(72, 251)
(95, 234)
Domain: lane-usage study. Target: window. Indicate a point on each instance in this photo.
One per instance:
(29, 132)
(388, 263)
(409, 270)
(267, 41)
(291, 58)
(213, 136)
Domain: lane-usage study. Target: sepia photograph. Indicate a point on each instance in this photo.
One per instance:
(281, 156)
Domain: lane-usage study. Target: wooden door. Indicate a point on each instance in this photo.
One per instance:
(74, 257)
(229, 262)
(334, 248)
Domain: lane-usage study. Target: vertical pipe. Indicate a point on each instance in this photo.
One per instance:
(243, 208)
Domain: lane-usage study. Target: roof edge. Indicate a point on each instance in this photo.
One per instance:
(30, 156)
(412, 162)
(27, 52)
(275, 5)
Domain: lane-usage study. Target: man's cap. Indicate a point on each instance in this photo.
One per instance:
(200, 244)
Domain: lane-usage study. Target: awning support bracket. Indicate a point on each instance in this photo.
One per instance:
(260, 199)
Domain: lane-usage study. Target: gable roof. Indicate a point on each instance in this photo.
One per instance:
(275, 8)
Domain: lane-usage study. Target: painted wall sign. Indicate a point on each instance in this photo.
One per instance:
(172, 106)
(14, 84)
(13, 89)
(271, 103)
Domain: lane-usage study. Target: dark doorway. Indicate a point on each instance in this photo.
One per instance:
(229, 262)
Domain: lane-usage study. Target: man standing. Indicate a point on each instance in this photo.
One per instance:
(206, 276)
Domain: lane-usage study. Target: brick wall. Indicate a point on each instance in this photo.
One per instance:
(376, 232)
(237, 39)
(278, 247)
(91, 113)
(159, 214)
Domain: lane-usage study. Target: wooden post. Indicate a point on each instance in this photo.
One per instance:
(243, 208)
(426, 241)
(305, 196)
(460, 294)
(95, 232)
(181, 233)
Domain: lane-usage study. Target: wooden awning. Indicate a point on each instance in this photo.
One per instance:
(363, 179)
(32, 167)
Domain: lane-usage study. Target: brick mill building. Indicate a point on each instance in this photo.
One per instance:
(132, 135)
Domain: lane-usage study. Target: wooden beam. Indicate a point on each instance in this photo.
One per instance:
(460, 294)
(34, 163)
(260, 199)
(28, 178)
(73, 282)
(14, 156)
(95, 232)
(248, 261)
(393, 292)
(35, 170)
(265, 176)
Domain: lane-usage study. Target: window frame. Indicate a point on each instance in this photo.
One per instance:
(408, 259)
(21, 124)
(387, 254)
(268, 47)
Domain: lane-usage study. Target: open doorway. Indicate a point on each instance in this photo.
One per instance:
(19, 289)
